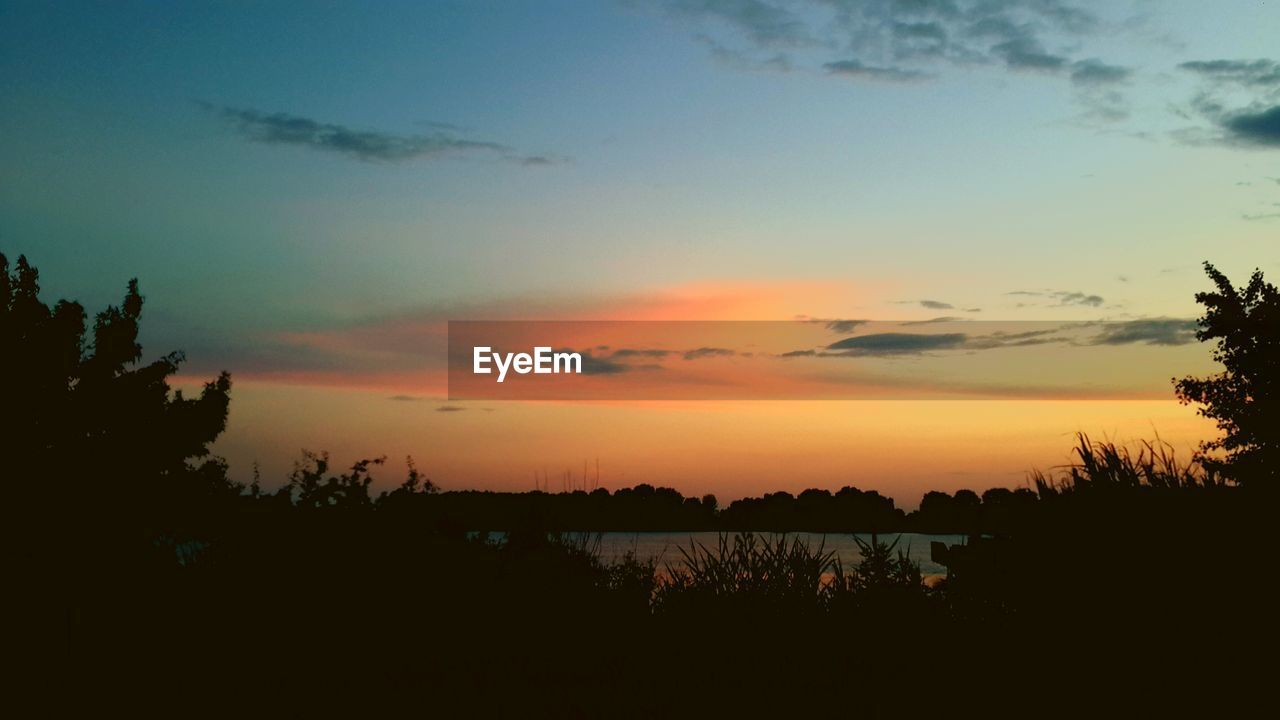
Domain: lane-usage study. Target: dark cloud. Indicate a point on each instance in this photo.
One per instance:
(937, 320)
(932, 31)
(1157, 331)
(843, 326)
(1027, 54)
(405, 398)
(367, 145)
(1254, 125)
(855, 68)
(639, 352)
(1095, 72)
(1260, 127)
(896, 344)
(1257, 73)
(450, 408)
(708, 352)
(593, 365)
(1154, 331)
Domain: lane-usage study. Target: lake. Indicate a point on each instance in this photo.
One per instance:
(663, 547)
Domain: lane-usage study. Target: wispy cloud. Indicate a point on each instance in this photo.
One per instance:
(841, 326)
(368, 145)
(856, 69)
(1261, 73)
(927, 304)
(1155, 331)
(1255, 217)
(708, 352)
(901, 41)
(1062, 298)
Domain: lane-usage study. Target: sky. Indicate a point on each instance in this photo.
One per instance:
(307, 192)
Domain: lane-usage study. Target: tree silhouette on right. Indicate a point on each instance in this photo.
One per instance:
(1242, 399)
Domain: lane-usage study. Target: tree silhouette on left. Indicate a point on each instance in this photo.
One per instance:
(94, 439)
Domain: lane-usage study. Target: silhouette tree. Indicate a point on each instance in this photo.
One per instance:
(1242, 399)
(310, 489)
(106, 431)
(408, 493)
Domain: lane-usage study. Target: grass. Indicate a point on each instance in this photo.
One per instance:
(1106, 464)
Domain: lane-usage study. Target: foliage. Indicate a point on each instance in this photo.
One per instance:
(1105, 464)
(1243, 399)
(83, 410)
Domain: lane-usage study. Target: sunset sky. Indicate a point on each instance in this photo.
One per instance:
(309, 191)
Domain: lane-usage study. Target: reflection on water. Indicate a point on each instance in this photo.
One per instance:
(663, 547)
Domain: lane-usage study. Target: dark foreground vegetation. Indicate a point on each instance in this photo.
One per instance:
(148, 583)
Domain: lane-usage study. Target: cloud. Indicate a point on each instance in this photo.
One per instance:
(937, 320)
(1026, 53)
(708, 352)
(855, 68)
(594, 365)
(896, 344)
(927, 304)
(1078, 298)
(655, 354)
(1250, 73)
(1094, 72)
(842, 326)
(405, 398)
(366, 145)
(1156, 331)
(1256, 124)
(450, 408)
(1063, 297)
(901, 41)
(762, 22)
(1001, 339)
(1261, 127)
(1254, 217)
(640, 353)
